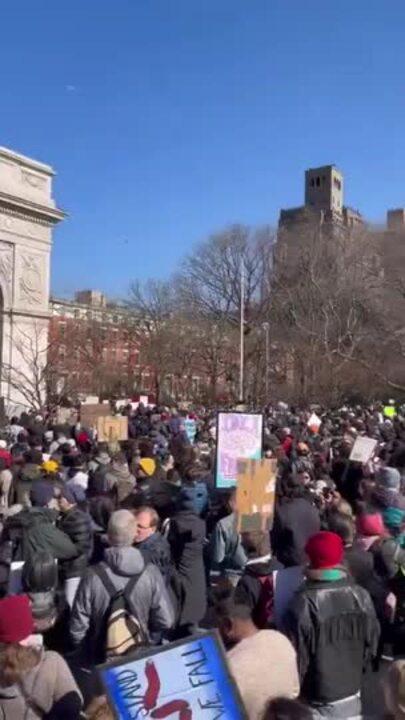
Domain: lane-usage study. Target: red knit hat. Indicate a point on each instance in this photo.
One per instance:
(371, 524)
(16, 623)
(325, 550)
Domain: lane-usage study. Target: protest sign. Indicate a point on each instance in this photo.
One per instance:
(112, 428)
(314, 423)
(190, 427)
(66, 416)
(185, 680)
(255, 494)
(363, 449)
(89, 413)
(239, 437)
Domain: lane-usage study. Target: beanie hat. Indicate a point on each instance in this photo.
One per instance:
(73, 493)
(389, 478)
(325, 550)
(16, 623)
(148, 465)
(41, 493)
(50, 466)
(371, 524)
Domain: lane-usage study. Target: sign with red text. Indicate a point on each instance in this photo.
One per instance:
(186, 680)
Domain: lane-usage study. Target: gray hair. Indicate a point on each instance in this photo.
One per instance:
(122, 528)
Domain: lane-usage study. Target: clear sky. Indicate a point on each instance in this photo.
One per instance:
(167, 120)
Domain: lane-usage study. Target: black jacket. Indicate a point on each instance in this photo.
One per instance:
(156, 550)
(77, 525)
(294, 523)
(32, 531)
(335, 631)
(249, 588)
(186, 540)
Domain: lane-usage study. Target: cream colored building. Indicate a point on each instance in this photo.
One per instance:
(28, 214)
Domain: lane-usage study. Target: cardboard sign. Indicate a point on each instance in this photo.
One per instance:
(363, 449)
(112, 428)
(184, 680)
(239, 437)
(255, 494)
(66, 416)
(190, 427)
(90, 413)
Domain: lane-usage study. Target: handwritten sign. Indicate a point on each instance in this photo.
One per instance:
(187, 680)
(89, 413)
(239, 437)
(255, 494)
(363, 449)
(112, 429)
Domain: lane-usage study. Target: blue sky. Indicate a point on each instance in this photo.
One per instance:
(166, 120)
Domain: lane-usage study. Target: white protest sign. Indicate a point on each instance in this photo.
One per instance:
(314, 423)
(363, 449)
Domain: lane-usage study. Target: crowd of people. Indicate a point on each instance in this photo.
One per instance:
(106, 548)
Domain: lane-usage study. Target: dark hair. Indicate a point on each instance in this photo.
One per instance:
(229, 608)
(285, 709)
(289, 487)
(40, 573)
(342, 525)
(256, 543)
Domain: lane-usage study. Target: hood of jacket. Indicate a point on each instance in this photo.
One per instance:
(120, 473)
(259, 567)
(125, 561)
(26, 518)
(385, 498)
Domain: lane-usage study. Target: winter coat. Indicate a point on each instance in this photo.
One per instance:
(294, 522)
(335, 631)
(33, 530)
(150, 599)
(50, 689)
(76, 524)
(249, 589)
(226, 552)
(23, 482)
(186, 540)
(156, 550)
(120, 481)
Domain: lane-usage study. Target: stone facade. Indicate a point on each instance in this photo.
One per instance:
(28, 214)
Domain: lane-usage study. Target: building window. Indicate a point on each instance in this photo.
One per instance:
(318, 181)
(337, 183)
(62, 329)
(312, 182)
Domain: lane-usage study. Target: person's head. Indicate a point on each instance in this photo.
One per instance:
(17, 654)
(119, 460)
(50, 467)
(231, 500)
(122, 529)
(370, 524)
(42, 494)
(147, 523)
(99, 709)
(34, 457)
(302, 449)
(304, 476)
(324, 550)
(285, 709)
(69, 496)
(342, 525)
(389, 478)
(256, 543)
(234, 621)
(146, 468)
(40, 573)
(394, 690)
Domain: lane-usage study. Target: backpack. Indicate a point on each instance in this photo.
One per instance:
(123, 631)
(264, 611)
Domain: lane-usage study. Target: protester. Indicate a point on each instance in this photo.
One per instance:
(226, 552)
(154, 547)
(333, 625)
(262, 662)
(394, 691)
(77, 526)
(285, 709)
(122, 564)
(295, 520)
(186, 539)
(33, 682)
(119, 479)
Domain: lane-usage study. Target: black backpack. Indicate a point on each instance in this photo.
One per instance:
(123, 631)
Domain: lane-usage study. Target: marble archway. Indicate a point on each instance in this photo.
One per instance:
(28, 214)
